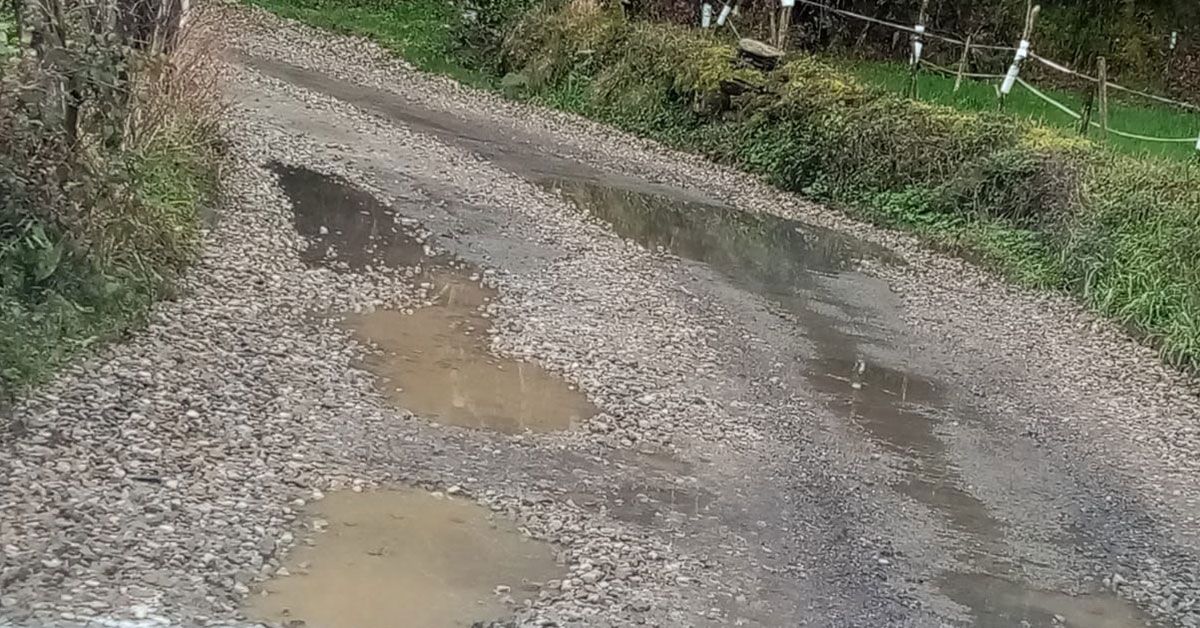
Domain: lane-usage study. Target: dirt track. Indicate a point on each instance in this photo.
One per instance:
(742, 409)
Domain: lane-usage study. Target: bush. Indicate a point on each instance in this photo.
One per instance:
(1048, 209)
(106, 156)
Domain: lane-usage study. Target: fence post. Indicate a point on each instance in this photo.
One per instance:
(1010, 79)
(962, 64)
(1102, 87)
(785, 22)
(1171, 54)
(918, 46)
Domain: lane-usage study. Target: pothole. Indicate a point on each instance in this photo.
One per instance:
(405, 558)
(347, 228)
(761, 252)
(998, 603)
(436, 363)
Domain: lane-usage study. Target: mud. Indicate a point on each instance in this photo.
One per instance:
(436, 363)
(404, 558)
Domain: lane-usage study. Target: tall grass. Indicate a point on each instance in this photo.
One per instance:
(94, 228)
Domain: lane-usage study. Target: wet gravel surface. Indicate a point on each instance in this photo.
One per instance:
(163, 479)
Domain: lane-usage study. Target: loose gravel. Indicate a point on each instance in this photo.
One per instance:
(161, 479)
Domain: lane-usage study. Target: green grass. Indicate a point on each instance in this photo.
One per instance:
(78, 300)
(426, 33)
(976, 95)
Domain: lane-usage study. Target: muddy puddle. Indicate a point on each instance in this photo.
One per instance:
(346, 227)
(435, 361)
(747, 248)
(404, 558)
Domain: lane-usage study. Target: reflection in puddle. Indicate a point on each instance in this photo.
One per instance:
(346, 226)
(1002, 604)
(404, 558)
(804, 271)
(763, 252)
(436, 363)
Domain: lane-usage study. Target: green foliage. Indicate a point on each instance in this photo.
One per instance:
(1047, 209)
(101, 180)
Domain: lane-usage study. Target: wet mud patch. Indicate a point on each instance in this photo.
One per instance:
(404, 558)
(998, 603)
(435, 360)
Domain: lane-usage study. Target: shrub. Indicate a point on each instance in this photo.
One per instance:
(1046, 208)
(108, 147)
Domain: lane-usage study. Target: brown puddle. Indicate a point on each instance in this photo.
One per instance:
(405, 558)
(999, 603)
(436, 363)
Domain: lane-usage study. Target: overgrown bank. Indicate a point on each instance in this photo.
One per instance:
(108, 152)
(1050, 210)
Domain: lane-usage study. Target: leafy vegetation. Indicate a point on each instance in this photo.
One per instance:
(1043, 205)
(104, 165)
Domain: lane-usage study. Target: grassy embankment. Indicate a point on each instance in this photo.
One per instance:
(1043, 206)
(99, 203)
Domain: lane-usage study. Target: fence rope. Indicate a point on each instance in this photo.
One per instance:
(945, 70)
(1133, 136)
(1043, 60)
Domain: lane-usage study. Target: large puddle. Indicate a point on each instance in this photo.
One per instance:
(405, 558)
(805, 271)
(436, 360)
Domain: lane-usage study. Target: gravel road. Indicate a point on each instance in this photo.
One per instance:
(798, 419)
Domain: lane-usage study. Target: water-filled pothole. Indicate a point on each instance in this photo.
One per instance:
(998, 603)
(436, 360)
(405, 558)
(436, 363)
(345, 226)
(804, 272)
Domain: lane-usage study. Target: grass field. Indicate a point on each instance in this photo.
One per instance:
(423, 32)
(977, 95)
